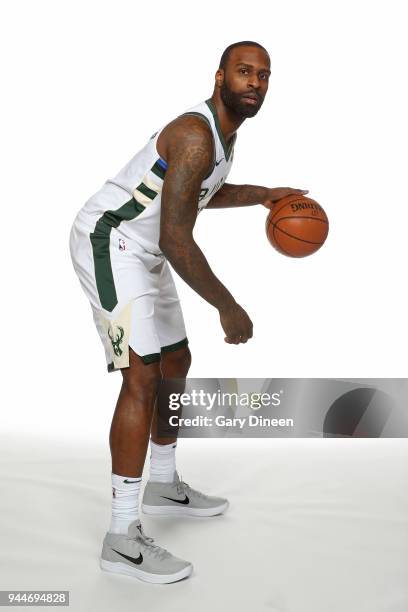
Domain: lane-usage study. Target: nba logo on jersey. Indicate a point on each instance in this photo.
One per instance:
(122, 244)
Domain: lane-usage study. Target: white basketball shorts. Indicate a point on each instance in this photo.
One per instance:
(132, 294)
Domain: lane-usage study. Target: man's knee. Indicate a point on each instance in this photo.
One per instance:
(141, 380)
(176, 363)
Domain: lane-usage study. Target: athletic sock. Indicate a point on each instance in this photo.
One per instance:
(162, 462)
(125, 502)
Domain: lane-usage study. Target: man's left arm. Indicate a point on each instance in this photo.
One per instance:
(246, 195)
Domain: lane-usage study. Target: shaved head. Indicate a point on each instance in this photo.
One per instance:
(243, 43)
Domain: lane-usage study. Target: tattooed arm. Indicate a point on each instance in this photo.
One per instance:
(189, 155)
(246, 195)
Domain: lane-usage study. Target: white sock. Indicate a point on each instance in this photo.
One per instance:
(162, 462)
(125, 502)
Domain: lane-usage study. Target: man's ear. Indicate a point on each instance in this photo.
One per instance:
(219, 77)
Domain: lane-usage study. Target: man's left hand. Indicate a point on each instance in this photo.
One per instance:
(278, 193)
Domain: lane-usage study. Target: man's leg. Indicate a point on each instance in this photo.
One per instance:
(165, 493)
(126, 549)
(173, 364)
(131, 423)
(129, 438)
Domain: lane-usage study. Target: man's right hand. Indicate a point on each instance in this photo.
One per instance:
(236, 324)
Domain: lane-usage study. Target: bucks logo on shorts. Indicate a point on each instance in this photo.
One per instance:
(117, 340)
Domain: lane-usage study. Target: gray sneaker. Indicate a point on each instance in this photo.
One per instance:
(178, 498)
(136, 555)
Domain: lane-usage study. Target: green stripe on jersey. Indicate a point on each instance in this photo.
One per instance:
(158, 170)
(150, 358)
(149, 193)
(173, 347)
(227, 147)
(100, 240)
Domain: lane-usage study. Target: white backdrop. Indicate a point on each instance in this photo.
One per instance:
(86, 83)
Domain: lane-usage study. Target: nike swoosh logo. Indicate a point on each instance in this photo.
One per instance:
(136, 561)
(217, 163)
(130, 481)
(179, 501)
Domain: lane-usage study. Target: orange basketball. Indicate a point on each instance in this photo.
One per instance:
(297, 226)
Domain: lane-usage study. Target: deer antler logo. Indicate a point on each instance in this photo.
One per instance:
(117, 341)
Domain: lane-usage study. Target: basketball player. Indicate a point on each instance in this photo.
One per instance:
(121, 242)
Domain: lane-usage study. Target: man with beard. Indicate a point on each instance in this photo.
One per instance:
(121, 242)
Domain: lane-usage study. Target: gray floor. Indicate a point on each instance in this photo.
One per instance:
(314, 525)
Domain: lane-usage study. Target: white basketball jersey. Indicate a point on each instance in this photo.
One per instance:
(130, 201)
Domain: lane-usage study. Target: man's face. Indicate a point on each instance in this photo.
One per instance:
(245, 82)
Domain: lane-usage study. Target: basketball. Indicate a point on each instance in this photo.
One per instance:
(297, 226)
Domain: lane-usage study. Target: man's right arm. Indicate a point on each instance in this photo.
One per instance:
(189, 155)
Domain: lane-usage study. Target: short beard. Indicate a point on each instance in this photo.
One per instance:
(234, 102)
